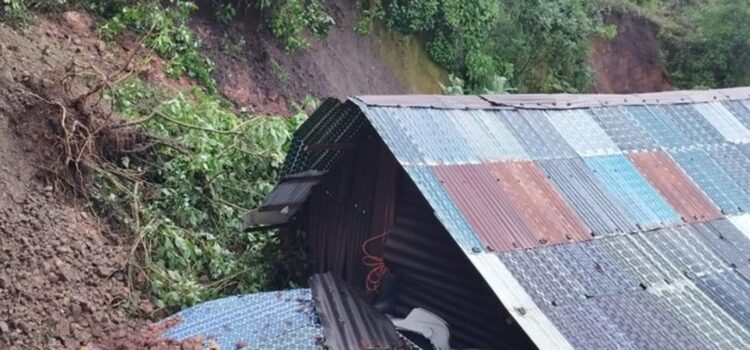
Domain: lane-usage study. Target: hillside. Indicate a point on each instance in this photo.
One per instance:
(133, 137)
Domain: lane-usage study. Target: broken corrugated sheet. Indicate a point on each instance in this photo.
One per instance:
(674, 186)
(712, 180)
(587, 196)
(634, 193)
(487, 207)
(539, 202)
(582, 133)
(349, 322)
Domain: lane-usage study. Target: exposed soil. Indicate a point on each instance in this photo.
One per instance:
(62, 280)
(256, 73)
(630, 62)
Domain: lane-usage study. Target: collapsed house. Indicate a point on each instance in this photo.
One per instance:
(523, 221)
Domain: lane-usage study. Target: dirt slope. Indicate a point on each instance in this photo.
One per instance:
(630, 62)
(61, 269)
(254, 72)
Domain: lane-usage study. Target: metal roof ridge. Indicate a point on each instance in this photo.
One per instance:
(552, 101)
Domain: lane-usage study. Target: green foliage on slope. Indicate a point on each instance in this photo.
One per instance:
(536, 45)
(184, 199)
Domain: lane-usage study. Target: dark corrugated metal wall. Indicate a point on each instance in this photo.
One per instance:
(345, 209)
(434, 274)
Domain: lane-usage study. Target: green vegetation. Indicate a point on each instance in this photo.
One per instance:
(537, 45)
(185, 197)
(705, 43)
(165, 31)
(713, 49)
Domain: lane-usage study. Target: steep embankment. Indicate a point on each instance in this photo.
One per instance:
(253, 70)
(630, 62)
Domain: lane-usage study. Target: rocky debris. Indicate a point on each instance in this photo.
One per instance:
(62, 278)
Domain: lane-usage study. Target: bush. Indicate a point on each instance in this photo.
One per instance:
(714, 49)
(166, 31)
(409, 16)
(290, 19)
(185, 198)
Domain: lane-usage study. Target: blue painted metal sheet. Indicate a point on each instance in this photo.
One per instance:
(582, 132)
(445, 209)
(587, 196)
(731, 292)
(635, 194)
(692, 124)
(658, 126)
(403, 147)
(712, 180)
(271, 320)
(624, 129)
(734, 162)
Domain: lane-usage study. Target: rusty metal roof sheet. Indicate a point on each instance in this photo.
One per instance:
(508, 176)
(349, 322)
(675, 186)
(487, 207)
(539, 202)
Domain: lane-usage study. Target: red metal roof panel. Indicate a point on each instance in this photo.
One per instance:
(487, 207)
(675, 186)
(541, 205)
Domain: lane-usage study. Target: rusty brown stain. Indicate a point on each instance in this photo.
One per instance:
(539, 202)
(672, 183)
(487, 207)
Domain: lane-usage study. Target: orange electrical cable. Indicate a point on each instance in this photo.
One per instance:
(377, 266)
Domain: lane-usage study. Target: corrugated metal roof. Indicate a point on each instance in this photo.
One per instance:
(582, 133)
(487, 207)
(724, 121)
(675, 186)
(349, 322)
(587, 196)
(516, 173)
(630, 188)
(712, 180)
(540, 204)
(623, 128)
